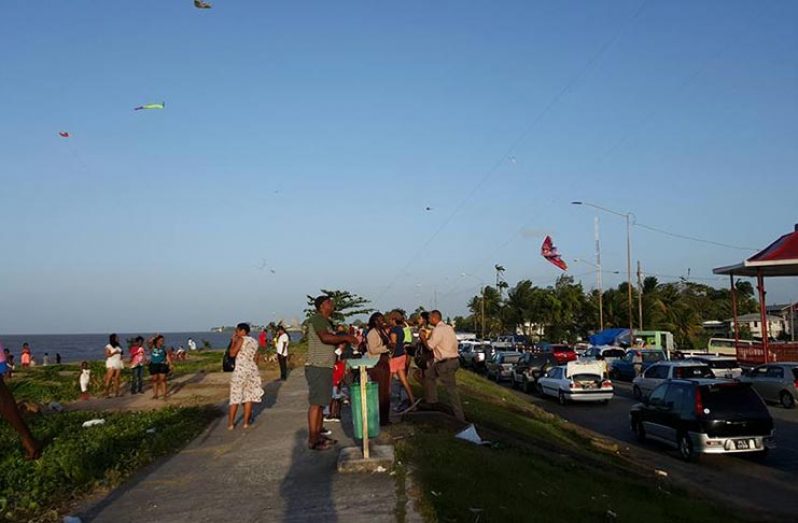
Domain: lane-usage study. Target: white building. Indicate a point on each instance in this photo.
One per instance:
(776, 324)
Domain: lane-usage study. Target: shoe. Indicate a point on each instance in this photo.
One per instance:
(401, 407)
(411, 407)
(325, 432)
(330, 419)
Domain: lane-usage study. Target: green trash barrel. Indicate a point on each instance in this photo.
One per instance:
(373, 405)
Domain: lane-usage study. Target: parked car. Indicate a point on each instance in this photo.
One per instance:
(722, 366)
(561, 352)
(704, 417)
(776, 382)
(624, 368)
(529, 368)
(608, 354)
(576, 381)
(500, 366)
(510, 342)
(475, 356)
(653, 376)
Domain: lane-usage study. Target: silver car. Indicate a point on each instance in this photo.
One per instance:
(663, 371)
(775, 382)
(722, 366)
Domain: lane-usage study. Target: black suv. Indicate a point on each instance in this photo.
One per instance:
(704, 416)
(529, 368)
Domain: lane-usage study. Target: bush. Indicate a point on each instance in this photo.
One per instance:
(75, 459)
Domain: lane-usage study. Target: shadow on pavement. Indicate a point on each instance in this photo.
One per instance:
(307, 487)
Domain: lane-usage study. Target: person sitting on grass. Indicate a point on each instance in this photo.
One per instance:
(9, 410)
(245, 383)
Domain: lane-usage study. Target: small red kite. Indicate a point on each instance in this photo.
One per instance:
(63, 134)
(549, 251)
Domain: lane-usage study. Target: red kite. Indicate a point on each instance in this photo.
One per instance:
(549, 251)
(63, 134)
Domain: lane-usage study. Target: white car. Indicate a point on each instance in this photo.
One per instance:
(722, 366)
(577, 381)
(663, 371)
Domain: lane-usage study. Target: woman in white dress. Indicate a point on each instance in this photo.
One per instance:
(245, 384)
(113, 365)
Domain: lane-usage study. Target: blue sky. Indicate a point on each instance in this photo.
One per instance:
(313, 135)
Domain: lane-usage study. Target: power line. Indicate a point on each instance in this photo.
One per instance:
(524, 134)
(692, 238)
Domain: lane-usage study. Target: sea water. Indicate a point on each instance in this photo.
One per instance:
(79, 347)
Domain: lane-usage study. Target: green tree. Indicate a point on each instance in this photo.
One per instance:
(346, 305)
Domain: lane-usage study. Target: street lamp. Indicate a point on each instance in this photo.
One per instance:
(482, 301)
(628, 258)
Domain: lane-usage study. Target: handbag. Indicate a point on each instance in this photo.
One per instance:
(228, 362)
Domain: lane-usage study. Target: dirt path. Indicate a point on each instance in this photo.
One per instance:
(201, 388)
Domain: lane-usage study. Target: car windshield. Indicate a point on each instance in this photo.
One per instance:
(653, 356)
(732, 400)
(613, 353)
(695, 371)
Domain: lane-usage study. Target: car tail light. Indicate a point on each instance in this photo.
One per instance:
(796, 384)
(573, 385)
(699, 404)
(606, 384)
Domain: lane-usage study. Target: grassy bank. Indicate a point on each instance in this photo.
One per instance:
(77, 459)
(539, 469)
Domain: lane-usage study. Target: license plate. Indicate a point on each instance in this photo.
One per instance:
(741, 444)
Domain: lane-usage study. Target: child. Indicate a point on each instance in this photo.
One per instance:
(85, 377)
(338, 375)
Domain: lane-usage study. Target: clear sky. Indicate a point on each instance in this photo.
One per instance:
(308, 138)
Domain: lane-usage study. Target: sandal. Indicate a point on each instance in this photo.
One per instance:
(321, 445)
(331, 440)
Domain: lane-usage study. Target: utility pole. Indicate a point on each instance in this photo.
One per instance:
(640, 295)
(482, 306)
(598, 274)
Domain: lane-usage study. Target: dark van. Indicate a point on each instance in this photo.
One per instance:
(704, 416)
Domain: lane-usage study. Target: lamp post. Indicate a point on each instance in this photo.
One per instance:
(628, 258)
(482, 301)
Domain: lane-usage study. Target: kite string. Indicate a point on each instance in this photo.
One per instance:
(516, 143)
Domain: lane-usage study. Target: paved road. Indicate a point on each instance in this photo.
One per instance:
(769, 485)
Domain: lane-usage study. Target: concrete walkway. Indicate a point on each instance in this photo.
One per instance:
(265, 473)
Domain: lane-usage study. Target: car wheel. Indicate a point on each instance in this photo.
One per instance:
(540, 389)
(561, 397)
(513, 383)
(525, 386)
(761, 455)
(638, 430)
(638, 395)
(686, 449)
(787, 400)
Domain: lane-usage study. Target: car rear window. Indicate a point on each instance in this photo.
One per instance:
(694, 371)
(723, 364)
(562, 348)
(731, 400)
(613, 353)
(511, 358)
(653, 356)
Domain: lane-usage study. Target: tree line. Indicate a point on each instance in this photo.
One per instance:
(567, 312)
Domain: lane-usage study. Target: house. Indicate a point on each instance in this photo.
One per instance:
(776, 324)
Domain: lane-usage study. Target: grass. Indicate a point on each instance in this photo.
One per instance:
(539, 469)
(77, 459)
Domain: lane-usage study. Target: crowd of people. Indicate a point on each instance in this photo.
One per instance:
(26, 359)
(389, 343)
(396, 349)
